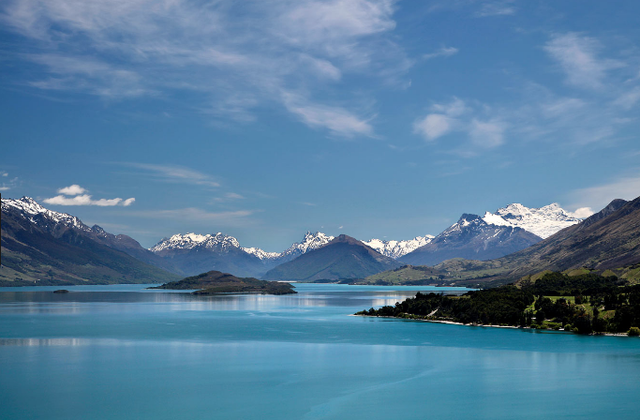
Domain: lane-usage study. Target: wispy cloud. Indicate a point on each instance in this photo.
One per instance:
(487, 134)
(337, 120)
(442, 52)
(479, 9)
(497, 8)
(590, 116)
(5, 182)
(175, 174)
(458, 116)
(578, 57)
(227, 197)
(236, 56)
(597, 197)
(194, 214)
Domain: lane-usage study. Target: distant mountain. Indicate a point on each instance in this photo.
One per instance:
(396, 249)
(129, 245)
(471, 237)
(543, 221)
(342, 258)
(310, 242)
(194, 254)
(42, 245)
(608, 239)
(608, 243)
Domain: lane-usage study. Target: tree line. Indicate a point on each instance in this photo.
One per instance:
(585, 304)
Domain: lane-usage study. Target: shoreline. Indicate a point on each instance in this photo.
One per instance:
(443, 321)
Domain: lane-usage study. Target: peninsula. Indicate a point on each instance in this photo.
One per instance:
(587, 303)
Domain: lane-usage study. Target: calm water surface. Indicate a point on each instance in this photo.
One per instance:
(122, 352)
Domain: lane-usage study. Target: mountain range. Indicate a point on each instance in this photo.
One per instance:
(494, 235)
(606, 243)
(471, 237)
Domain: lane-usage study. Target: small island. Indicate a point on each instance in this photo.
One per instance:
(216, 283)
(61, 291)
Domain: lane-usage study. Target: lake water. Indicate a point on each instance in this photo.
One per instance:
(122, 352)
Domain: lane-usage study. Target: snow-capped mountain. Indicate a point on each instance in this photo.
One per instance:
(471, 237)
(263, 255)
(218, 241)
(543, 221)
(30, 210)
(50, 247)
(396, 249)
(310, 242)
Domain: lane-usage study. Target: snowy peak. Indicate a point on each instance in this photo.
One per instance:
(218, 242)
(222, 243)
(31, 210)
(396, 249)
(543, 221)
(310, 242)
(263, 255)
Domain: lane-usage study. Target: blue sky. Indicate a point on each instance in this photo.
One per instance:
(264, 119)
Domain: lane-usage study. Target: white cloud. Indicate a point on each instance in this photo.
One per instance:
(442, 121)
(86, 200)
(74, 189)
(328, 24)
(433, 126)
(234, 56)
(578, 58)
(459, 116)
(597, 197)
(337, 120)
(3, 188)
(582, 212)
(442, 52)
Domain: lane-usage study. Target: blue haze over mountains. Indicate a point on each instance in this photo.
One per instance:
(188, 254)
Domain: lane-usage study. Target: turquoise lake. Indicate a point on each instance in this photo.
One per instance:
(123, 352)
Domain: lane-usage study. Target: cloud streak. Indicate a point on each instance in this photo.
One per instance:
(597, 197)
(175, 174)
(442, 52)
(577, 56)
(239, 217)
(221, 52)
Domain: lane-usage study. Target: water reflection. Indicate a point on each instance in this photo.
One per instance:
(137, 298)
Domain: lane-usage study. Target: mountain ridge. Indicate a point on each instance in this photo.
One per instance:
(342, 258)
